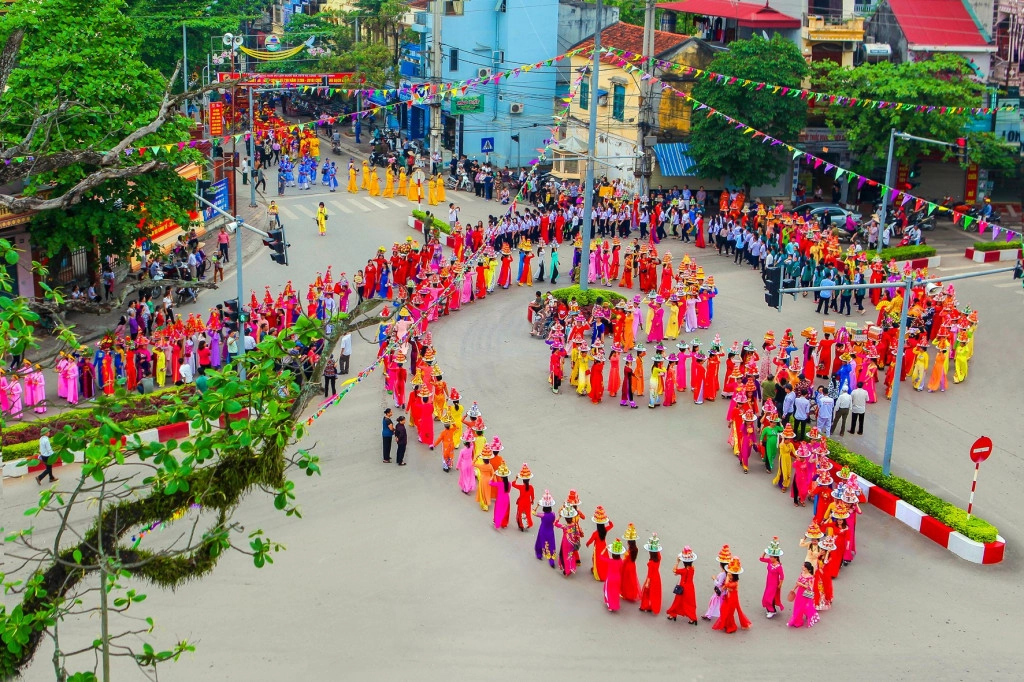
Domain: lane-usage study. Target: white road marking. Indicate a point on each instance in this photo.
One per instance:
(286, 212)
(375, 202)
(304, 210)
(961, 267)
(1007, 285)
(336, 204)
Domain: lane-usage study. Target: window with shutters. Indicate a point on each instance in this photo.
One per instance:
(619, 102)
(584, 96)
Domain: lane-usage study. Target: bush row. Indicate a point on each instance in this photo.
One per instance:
(976, 529)
(997, 245)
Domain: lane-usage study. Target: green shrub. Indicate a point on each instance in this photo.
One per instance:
(976, 529)
(131, 406)
(997, 245)
(588, 297)
(20, 450)
(438, 223)
(907, 252)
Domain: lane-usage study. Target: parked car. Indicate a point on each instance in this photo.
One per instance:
(817, 209)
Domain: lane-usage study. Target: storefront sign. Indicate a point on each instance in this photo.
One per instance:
(971, 185)
(216, 119)
(292, 79)
(222, 200)
(467, 104)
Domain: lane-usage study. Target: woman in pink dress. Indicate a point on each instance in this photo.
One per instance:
(704, 310)
(467, 474)
(772, 599)
(62, 389)
(656, 333)
(567, 548)
(690, 318)
(14, 391)
(804, 612)
(613, 574)
(70, 376)
(501, 497)
(715, 605)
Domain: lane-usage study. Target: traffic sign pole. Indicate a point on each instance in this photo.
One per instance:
(980, 451)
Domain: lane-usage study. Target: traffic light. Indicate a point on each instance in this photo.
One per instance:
(961, 151)
(232, 315)
(773, 283)
(275, 240)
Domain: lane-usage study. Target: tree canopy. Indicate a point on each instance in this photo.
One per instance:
(79, 100)
(720, 150)
(944, 80)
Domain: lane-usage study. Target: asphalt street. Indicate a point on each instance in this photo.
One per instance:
(393, 574)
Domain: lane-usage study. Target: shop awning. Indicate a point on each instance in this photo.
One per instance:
(674, 159)
(746, 14)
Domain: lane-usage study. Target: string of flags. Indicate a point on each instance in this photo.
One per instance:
(803, 94)
(896, 196)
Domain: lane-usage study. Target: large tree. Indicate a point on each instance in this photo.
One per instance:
(716, 146)
(946, 80)
(82, 555)
(78, 104)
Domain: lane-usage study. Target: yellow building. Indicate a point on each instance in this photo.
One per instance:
(619, 102)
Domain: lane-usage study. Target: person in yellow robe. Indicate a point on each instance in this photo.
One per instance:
(784, 476)
(160, 363)
(960, 361)
(365, 182)
(414, 191)
(353, 185)
(432, 192)
(374, 183)
(389, 184)
(940, 370)
(440, 189)
(314, 148)
(920, 367)
(402, 183)
(485, 472)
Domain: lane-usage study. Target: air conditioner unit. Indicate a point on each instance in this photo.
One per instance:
(602, 100)
(483, 73)
(515, 108)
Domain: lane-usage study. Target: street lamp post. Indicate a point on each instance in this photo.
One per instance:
(588, 192)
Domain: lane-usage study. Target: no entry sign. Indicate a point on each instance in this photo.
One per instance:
(981, 449)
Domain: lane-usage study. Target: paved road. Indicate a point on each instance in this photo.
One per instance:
(394, 574)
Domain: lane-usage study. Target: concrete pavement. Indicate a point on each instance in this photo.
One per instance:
(393, 574)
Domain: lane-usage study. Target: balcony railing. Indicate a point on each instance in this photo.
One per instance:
(833, 28)
(1004, 72)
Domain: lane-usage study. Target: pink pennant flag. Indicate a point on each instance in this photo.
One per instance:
(995, 232)
(906, 198)
(893, 194)
(1009, 235)
(981, 226)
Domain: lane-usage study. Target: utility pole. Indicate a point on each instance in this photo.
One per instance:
(435, 78)
(588, 191)
(885, 192)
(252, 155)
(645, 118)
(184, 61)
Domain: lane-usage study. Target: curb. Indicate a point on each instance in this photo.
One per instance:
(932, 528)
(417, 224)
(931, 262)
(992, 256)
(17, 468)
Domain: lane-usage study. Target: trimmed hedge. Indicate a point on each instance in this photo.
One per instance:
(132, 406)
(588, 297)
(997, 246)
(907, 252)
(31, 447)
(976, 529)
(438, 223)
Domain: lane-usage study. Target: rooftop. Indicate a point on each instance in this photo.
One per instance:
(628, 37)
(746, 14)
(937, 24)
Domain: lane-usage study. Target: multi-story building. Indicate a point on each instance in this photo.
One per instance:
(506, 119)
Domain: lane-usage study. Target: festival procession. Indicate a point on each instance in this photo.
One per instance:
(752, 288)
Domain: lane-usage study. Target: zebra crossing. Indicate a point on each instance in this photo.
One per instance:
(336, 203)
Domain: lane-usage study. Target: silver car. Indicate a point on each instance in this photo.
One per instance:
(837, 213)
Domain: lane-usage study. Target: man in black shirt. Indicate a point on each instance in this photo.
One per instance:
(402, 438)
(387, 432)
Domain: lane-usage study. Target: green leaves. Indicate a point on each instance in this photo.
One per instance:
(720, 149)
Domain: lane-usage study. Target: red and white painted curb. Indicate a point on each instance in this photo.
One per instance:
(161, 434)
(931, 263)
(992, 256)
(932, 528)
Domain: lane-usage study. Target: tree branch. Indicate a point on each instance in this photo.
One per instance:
(80, 305)
(9, 56)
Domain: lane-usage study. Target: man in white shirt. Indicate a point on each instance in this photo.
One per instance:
(843, 404)
(858, 406)
(250, 343)
(453, 215)
(346, 353)
(185, 371)
(45, 456)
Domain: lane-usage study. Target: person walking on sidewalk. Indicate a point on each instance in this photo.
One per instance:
(346, 353)
(245, 171)
(330, 378)
(223, 239)
(46, 456)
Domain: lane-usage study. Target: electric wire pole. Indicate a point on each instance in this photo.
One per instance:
(435, 78)
(588, 192)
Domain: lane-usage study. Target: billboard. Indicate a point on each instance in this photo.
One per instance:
(292, 79)
(467, 104)
(222, 200)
